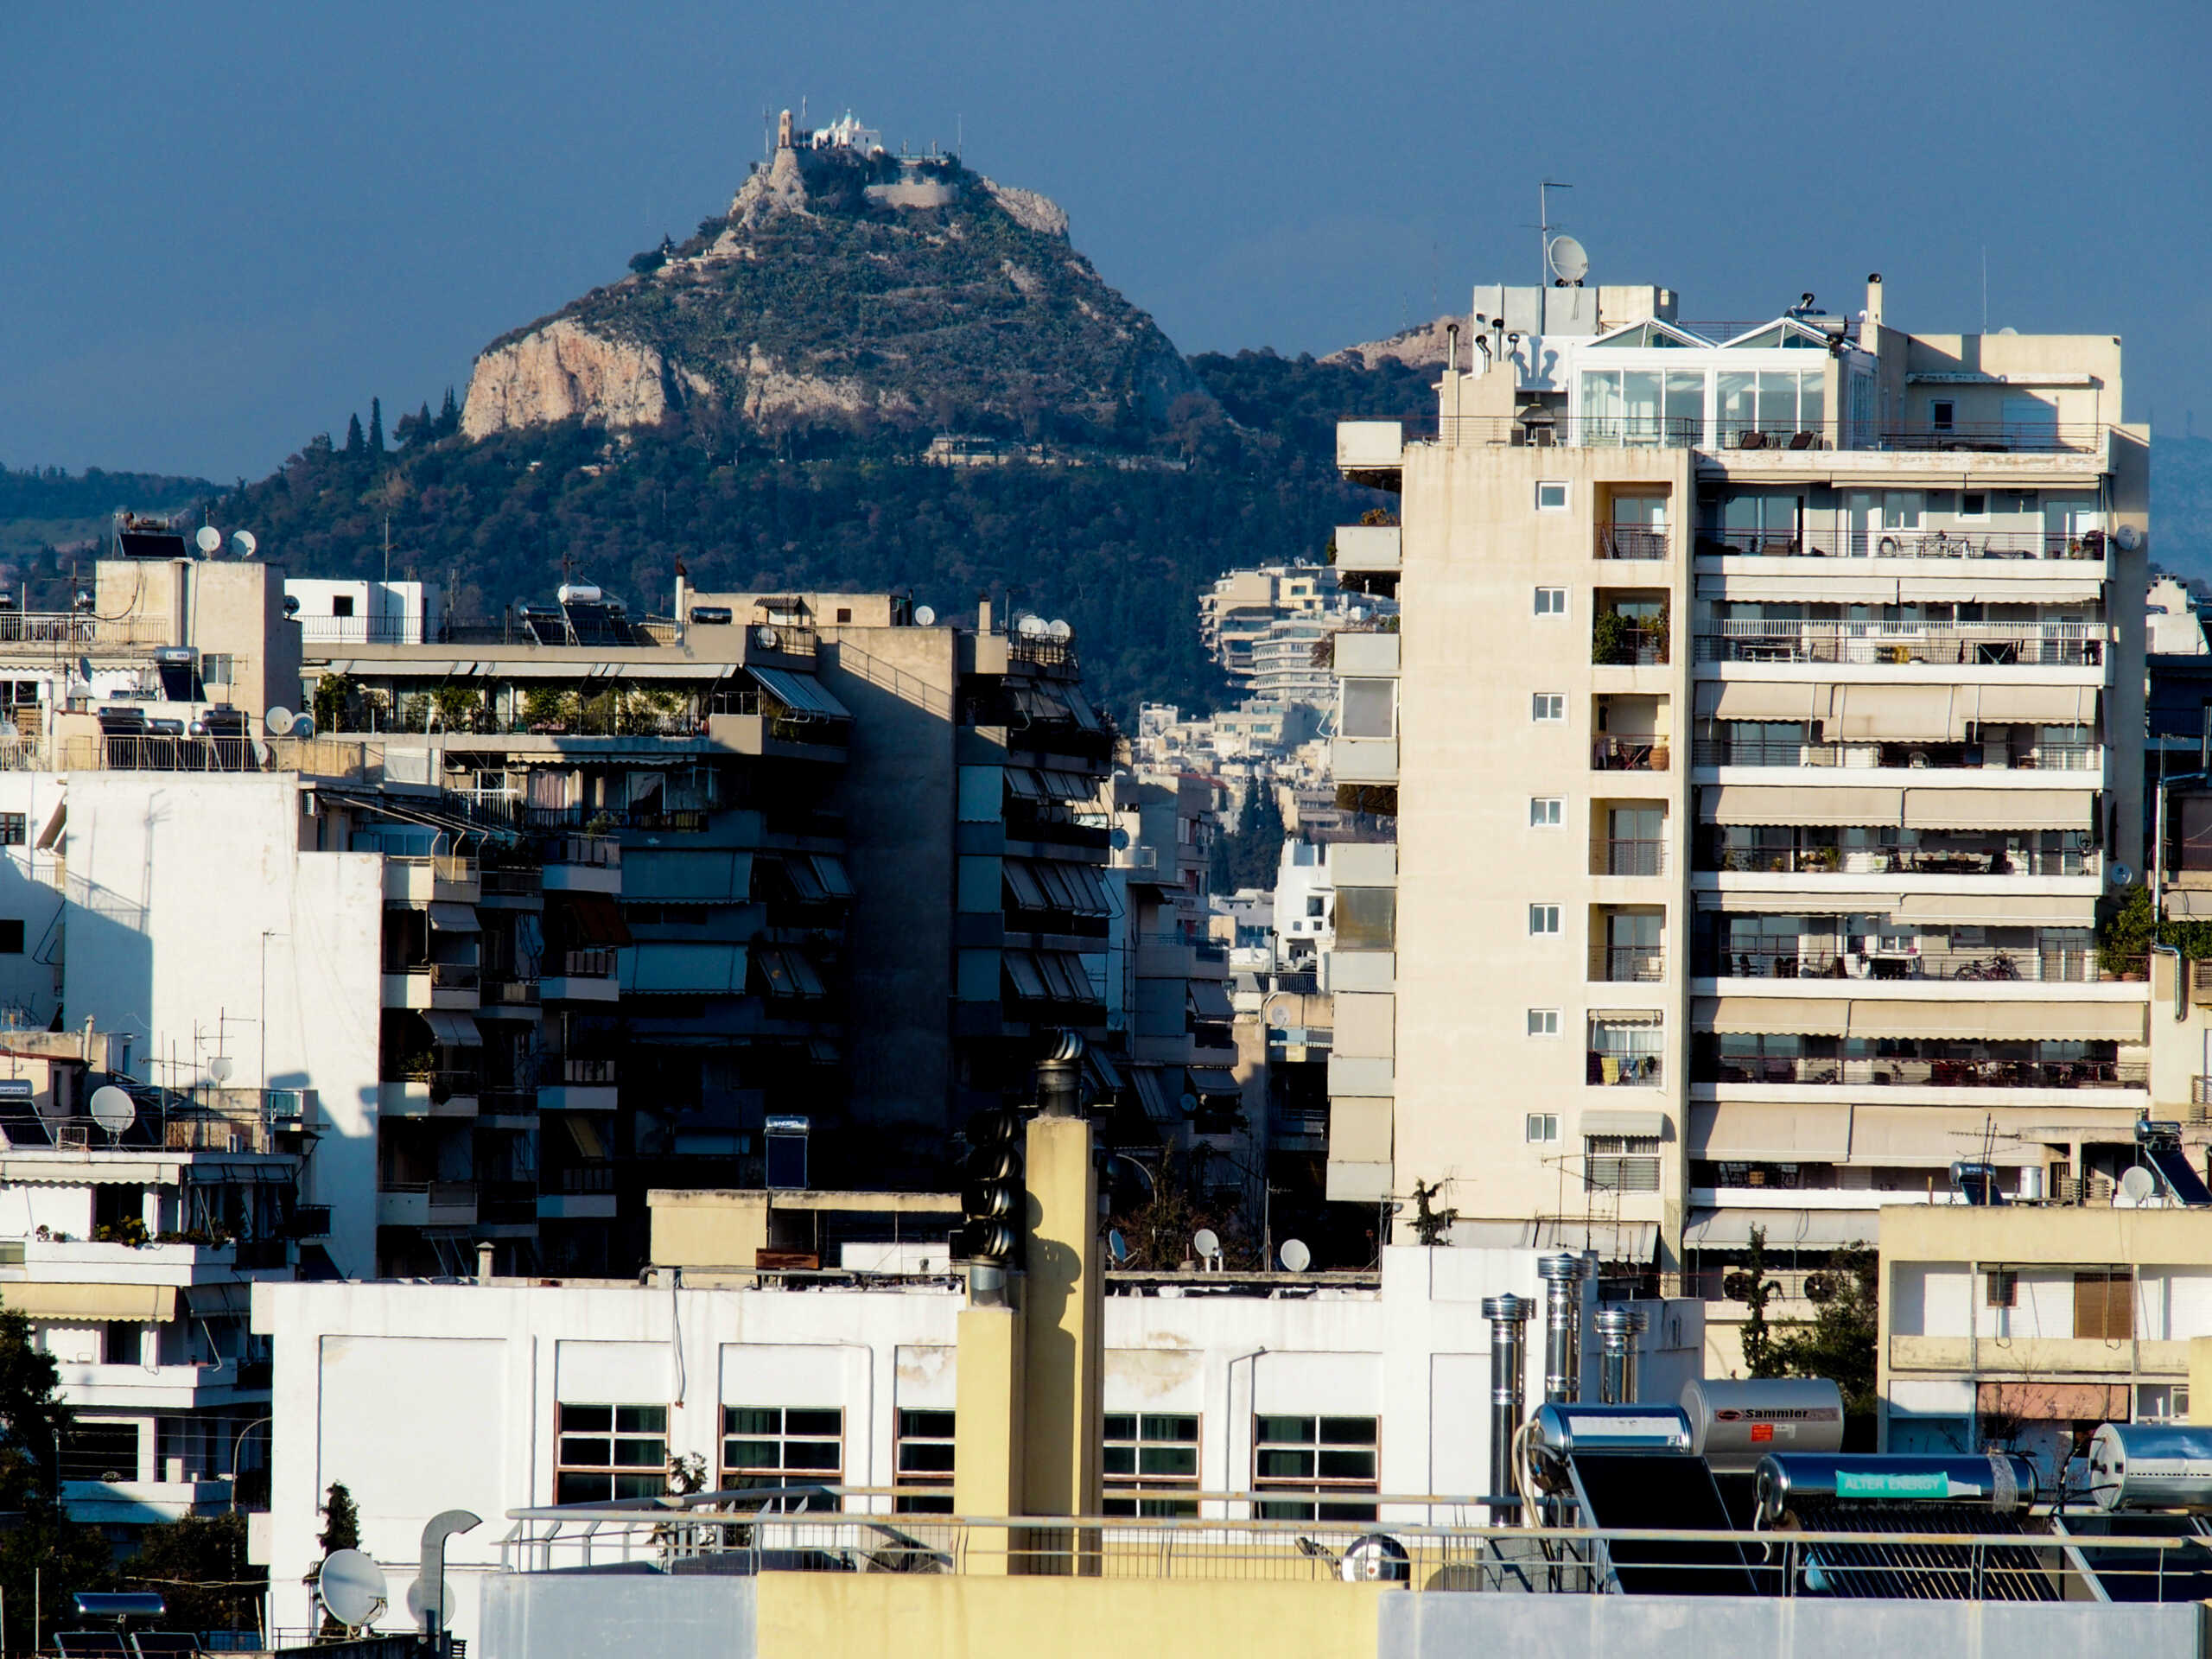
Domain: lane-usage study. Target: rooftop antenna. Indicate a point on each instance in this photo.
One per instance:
(1544, 230)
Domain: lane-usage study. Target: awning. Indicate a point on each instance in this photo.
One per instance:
(578, 920)
(2000, 704)
(1214, 1081)
(1898, 714)
(65, 1304)
(451, 1030)
(1823, 1230)
(1208, 1000)
(665, 875)
(1797, 700)
(830, 870)
(1067, 786)
(1152, 1094)
(1079, 706)
(2000, 808)
(2071, 1018)
(1803, 1016)
(45, 1167)
(1800, 902)
(664, 969)
(1997, 910)
(788, 972)
(1935, 1137)
(1646, 1125)
(1805, 804)
(800, 693)
(453, 918)
(1624, 1241)
(1749, 1132)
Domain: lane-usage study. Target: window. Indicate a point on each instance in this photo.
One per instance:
(1543, 1127)
(1620, 1163)
(342, 604)
(784, 1445)
(2002, 1287)
(18, 694)
(1370, 708)
(1547, 706)
(1551, 496)
(1544, 1022)
(219, 668)
(1543, 920)
(1150, 1452)
(2104, 1306)
(604, 1453)
(11, 938)
(14, 829)
(844, 613)
(1316, 904)
(924, 1459)
(1311, 1454)
(1940, 414)
(1551, 601)
(1974, 504)
(99, 1451)
(1547, 811)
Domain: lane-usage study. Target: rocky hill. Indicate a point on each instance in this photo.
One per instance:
(852, 290)
(1423, 345)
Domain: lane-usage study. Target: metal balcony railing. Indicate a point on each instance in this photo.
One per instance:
(1623, 964)
(594, 1177)
(1899, 1072)
(587, 1073)
(1630, 542)
(2048, 644)
(1823, 536)
(1628, 754)
(443, 975)
(1936, 757)
(1608, 857)
(503, 987)
(1631, 645)
(1618, 1069)
(1999, 859)
(1814, 959)
(596, 963)
(2036, 438)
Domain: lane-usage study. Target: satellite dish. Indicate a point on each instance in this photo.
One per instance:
(2139, 1186)
(768, 637)
(221, 1067)
(1188, 1103)
(278, 721)
(415, 1604)
(112, 1110)
(291, 605)
(1117, 1247)
(2129, 537)
(209, 540)
(1296, 1257)
(352, 1587)
(303, 726)
(1032, 627)
(925, 616)
(244, 545)
(1206, 1244)
(2122, 876)
(1059, 629)
(1569, 264)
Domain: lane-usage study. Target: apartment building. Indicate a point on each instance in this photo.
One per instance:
(1761, 730)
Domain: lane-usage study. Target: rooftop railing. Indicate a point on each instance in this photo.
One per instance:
(2035, 438)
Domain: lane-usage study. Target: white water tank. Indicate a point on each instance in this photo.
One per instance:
(1735, 1423)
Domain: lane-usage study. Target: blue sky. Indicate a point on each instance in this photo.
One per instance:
(224, 226)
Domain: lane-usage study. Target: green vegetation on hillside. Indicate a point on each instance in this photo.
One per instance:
(46, 507)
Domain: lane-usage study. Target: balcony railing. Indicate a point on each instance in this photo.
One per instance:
(1628, 857)
(502, 989)
(588, 1072)
(1628, 754)
(1907, 860)
(2035, 438)
(1623, 964)
(442, 976)
(1628, 644)
(1614, 1070)
(597, 962)
(2060, 964)
(1630, 542)
(1938, 757)
(2048, 644)
(1821, 537)
(1934, 1074)
(594, 1177)
(1548, 430)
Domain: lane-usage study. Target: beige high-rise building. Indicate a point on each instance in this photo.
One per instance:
(1762, 720)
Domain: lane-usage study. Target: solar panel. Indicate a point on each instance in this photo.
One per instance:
(2144, 1575)
(72, 1642)
(1639, 1490)
(150, 1643)
(2173, 1167)
(595, 624)
(1878, 1570)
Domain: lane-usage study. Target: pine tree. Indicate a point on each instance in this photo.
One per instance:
(448, 416)
(341, 1521)
(355, 441)
(376, 426)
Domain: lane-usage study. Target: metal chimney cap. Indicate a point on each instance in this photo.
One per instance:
(1617, 1322)
(1564, 1267)
(1508, 1307)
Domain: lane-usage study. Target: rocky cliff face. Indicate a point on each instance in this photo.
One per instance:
(1421, 346)
(849, 290)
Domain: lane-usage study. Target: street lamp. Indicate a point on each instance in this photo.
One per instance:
(238, 1446)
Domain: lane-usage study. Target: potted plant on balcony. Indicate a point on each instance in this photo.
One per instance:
(1609, 639)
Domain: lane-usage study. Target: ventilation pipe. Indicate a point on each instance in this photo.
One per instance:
(1507, 1314)
(1059, 1078)
(1562, 1277)
(1617, 1331)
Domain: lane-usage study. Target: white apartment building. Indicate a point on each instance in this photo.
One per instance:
(1262, 625)
(552, 1392)
(1763, 731)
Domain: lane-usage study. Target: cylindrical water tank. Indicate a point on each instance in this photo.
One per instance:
(578, 593)
(2000, 1482)
(1733, 1424)
(2150, 1466)
(1566, 1428)
(2031, 1183)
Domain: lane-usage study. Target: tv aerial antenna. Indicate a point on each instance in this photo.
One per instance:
(1544, 229)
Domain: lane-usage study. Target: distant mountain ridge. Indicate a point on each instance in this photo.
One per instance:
(852, 290)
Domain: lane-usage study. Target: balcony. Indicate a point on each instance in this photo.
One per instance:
(578, 1085)
(1903, 1071)
(1829, 537)
(1990, 855)
(1628, 754)
(431, 1094)
(1363, 759)
(1816, 957)
(433, 985)
(2031, 438)
(1608, 857)
(586, 975)
(1628, 964)
(502, 991)
(1371, 452)
(578, 1191)
(426, 1203)
(1640, 542)
(420, 880)
(1980, 644)
(1622, 639)
(1616, 1068)
(1897, 756)
(1368, 550)
(581, 864)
